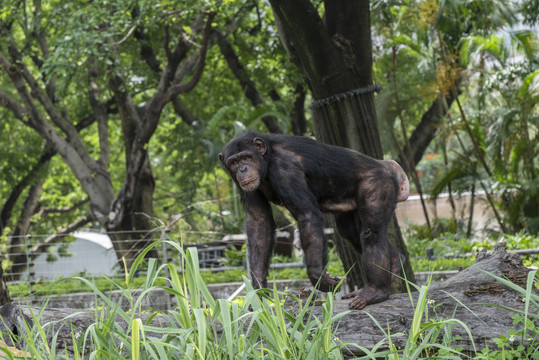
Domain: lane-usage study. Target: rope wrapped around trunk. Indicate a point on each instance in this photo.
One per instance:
(349, 119)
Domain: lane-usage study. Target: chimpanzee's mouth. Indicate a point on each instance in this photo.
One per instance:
(249, 184)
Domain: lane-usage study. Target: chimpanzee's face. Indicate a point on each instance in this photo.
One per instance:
(245, 168)
(246, 163)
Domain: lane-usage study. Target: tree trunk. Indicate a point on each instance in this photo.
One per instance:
(336, 60)
(18, 251)
(425, 131)
(133, 233)
(4, 291)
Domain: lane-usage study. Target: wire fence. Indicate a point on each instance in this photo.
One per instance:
(34, 259)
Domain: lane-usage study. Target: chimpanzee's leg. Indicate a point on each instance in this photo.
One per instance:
(260, 228)
(375, 208)
(377, 263)
(314, 245)
(349, 227)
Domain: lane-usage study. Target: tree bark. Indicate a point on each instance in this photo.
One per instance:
(18, 253)
(297, 115)
(18, 189)
(336, 60)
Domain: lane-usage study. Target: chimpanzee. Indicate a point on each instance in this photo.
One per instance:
(310, 178)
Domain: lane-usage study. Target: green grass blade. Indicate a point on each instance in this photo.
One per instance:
(136, 327)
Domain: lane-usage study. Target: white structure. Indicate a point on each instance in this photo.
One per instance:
(411, 212)
(91, 253)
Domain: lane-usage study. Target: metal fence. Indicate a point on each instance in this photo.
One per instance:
(92, 254)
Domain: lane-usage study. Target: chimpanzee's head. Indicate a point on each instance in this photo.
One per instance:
(243, 157)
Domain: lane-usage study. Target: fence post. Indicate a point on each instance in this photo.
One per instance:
(30, 266)
(166, 260)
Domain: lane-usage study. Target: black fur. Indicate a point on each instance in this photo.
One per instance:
(309, 178)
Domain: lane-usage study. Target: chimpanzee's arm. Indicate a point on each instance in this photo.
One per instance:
(304, 207)
(260, 228)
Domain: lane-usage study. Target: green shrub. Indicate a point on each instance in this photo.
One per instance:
(200, 326)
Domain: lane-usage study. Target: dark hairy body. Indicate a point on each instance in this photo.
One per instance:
(310, 178)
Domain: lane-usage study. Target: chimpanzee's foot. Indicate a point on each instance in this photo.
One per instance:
(366, 296)
(327, 283)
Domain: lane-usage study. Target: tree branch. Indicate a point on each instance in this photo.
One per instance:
(179, 88)
(22, 70)
(100, 113)
(146, 50)
(16, 191)
(62, 210)
(84, 167)
(53, 239)
(176, 56)
(18, 71)
(425, 131)
(128, 112)
(34, 118)
(247, 85)
(40, 36)
(187, 116)
(11, 104)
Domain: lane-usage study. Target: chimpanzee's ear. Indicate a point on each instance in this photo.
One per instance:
(260, 145)
(221, 158)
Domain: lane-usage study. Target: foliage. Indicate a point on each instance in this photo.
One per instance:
(234, 257)
(445, 247)
(259, 325)
(256, 327)
(441, 264)
(488, 141)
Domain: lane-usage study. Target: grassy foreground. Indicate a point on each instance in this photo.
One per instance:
(257, 326)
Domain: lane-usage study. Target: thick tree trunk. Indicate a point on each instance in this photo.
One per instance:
(133, 233)
(426, 129)
(336, 60)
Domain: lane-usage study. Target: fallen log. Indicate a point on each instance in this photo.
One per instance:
(471, 296)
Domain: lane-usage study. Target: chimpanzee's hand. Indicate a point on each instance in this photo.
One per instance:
(328, 283)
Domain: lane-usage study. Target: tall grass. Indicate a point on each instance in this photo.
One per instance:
(256, 326)
(198, 327)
